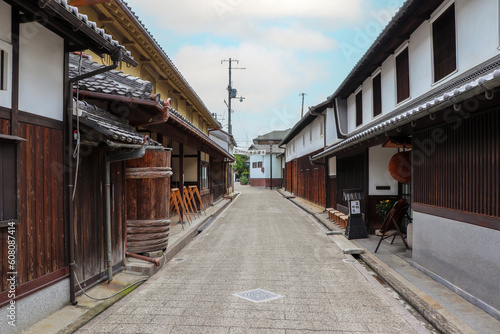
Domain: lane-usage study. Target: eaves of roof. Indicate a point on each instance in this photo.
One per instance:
(181, 122)
(105, 127)
(68, 22)
(178, 78)
(310, 116)
(409, 17)
(483, 78)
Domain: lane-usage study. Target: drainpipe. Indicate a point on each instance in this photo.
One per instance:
(117, 57)
(134, 154)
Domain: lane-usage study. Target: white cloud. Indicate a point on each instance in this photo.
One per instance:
(237, 17)
(298, 38)
(270, 75)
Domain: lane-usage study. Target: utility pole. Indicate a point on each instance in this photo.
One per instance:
(271, 162)
(302, 112)
(231, 93)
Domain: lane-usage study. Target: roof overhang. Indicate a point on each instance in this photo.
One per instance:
(470, 84)
(137, 111)
(310, 116)
(409, 17)
(74, 27)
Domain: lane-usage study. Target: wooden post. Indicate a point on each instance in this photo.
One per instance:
(181, 172)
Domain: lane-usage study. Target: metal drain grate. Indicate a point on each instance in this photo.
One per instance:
(258, 295)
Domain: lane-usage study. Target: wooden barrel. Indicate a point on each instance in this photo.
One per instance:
(148, 200)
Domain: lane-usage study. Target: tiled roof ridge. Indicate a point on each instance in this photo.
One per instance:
(469, 82)
(167, 58)
(143, 86)
(112, 126)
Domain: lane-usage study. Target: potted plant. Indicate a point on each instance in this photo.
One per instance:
(383, 208)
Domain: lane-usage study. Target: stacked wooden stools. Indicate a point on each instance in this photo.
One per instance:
(337, 217)
(185, 206)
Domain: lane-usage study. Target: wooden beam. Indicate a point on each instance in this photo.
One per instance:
(105, 19)
(127, 42)
(15, 37)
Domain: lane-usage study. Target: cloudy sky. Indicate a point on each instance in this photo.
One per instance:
(287, 47)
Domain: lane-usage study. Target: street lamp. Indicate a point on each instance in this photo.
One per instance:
(271, 163)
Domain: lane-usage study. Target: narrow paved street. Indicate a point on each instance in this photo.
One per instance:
(262, 241)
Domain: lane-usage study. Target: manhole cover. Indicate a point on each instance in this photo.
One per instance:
(349, 261)
(258, 295)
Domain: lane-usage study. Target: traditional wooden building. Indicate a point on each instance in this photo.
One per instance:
(428, 86)
(227, 142)
(36, 147)
(305, 139)
(266, 170)
(196, 159)
(111, 161)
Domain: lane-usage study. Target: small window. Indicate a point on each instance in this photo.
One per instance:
(3, 70)
(359, 108)
(402, 76)
(204, 177)
(377, 95)
(444, 44)
(321, 128)
(310, 136)
(293, 147)
(8, 186)
(303, 140)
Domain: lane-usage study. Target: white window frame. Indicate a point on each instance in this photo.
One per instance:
(434, 16)
(401, 48)
(374, 74)
(6, 93)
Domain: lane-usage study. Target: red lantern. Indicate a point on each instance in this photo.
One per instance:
(262, 169)
(400, 167)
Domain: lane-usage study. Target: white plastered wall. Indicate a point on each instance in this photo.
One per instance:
(41, 77)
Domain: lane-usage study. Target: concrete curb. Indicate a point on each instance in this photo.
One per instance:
(95, 311)
(337, 236)
(182, 242)
(430, 309)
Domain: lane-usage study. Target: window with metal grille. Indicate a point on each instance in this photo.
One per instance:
(204, 177)
(359, 108)
(377, 95)
(8, 192)
(444, 44)
(402, 76)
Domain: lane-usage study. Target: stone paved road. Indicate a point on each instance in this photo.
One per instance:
(261, 241)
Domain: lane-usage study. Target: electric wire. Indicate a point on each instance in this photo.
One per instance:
(243, 128)
(76, 152)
